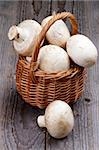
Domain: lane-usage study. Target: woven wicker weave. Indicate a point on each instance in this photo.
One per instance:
(38, 88)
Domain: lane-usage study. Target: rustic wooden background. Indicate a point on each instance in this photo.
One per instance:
(18, 127)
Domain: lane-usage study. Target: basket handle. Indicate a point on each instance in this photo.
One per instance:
(36, 47)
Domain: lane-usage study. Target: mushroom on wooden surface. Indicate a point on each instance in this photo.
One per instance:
(58, 33)
(58, 119)
(24, 36)
(53, 59)
(81, 50)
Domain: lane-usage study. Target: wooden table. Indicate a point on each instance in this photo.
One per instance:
(18, 127)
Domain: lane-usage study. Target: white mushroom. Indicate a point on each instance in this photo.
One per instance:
(58, 33)
(53, 59)
(28, 59)
(58, 119)
(24, 36)
(81, 50)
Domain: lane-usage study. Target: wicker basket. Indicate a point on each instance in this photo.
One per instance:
(38, 88)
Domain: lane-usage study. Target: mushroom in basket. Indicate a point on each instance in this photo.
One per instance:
(24, 36)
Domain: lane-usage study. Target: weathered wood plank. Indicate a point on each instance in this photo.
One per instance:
(85, 134)
(7, 57)
(18, 127)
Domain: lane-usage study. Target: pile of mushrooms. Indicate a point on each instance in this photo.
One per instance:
(54, 58)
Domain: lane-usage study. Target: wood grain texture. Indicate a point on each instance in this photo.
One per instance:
(18, 127)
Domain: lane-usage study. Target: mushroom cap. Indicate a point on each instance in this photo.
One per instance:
(53, 59)
(58, 33)
(81, 50)
(59, 119)
(31, 29)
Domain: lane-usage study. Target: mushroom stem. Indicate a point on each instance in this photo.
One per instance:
(17, 33)
(41, 121)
